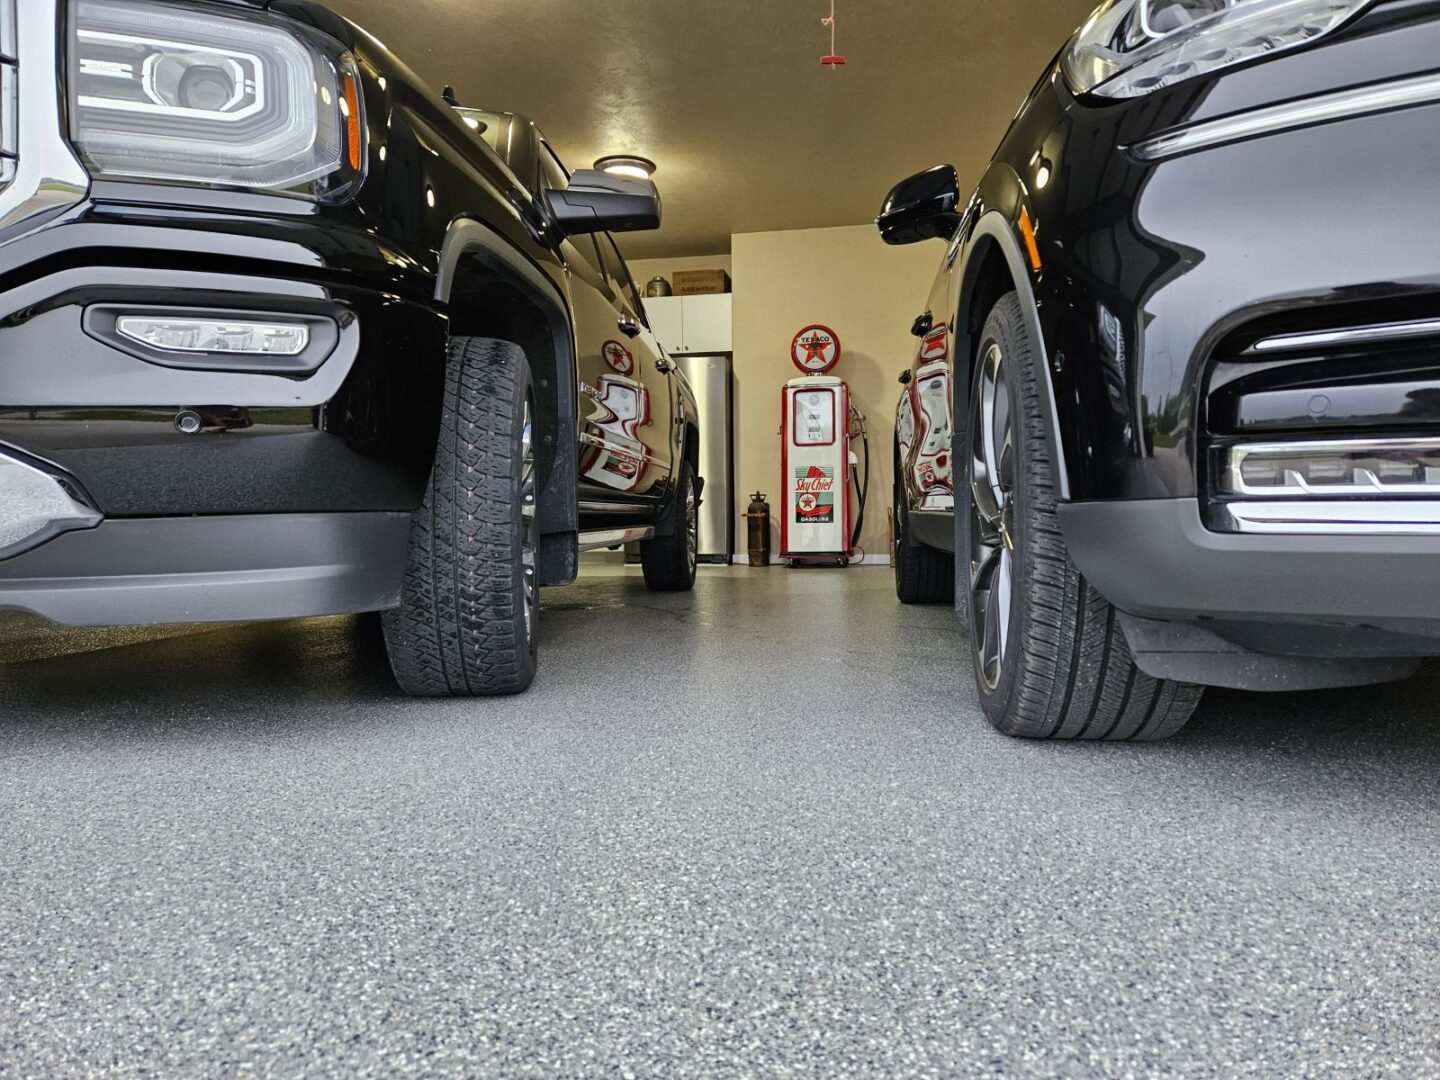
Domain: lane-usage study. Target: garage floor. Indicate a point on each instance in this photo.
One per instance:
(760, 830)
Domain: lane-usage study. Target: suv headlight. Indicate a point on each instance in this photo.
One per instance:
(182, 93)
(1133, 47)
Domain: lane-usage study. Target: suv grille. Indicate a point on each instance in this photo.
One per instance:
(9, 94)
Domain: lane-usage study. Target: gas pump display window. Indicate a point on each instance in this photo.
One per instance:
(815, 418)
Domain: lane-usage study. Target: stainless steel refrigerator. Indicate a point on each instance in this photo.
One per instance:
(712, 379)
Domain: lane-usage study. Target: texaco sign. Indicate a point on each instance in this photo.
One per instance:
(815, 350)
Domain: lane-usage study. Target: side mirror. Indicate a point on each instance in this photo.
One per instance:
(924, 207)
(598, 202)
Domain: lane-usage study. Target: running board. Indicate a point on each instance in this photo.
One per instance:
(611, 538)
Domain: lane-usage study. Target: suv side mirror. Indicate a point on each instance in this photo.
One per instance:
(924, 207)
(599, 202)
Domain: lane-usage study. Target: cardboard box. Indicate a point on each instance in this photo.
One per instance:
(700, 282)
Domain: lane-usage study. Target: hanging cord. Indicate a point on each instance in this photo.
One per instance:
(832, 61)
(857, 427)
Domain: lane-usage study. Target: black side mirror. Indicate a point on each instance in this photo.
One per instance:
(599, 202)
(924, 207)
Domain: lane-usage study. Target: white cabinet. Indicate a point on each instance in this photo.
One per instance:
(667, 320)
(692, 324)
(706, 323)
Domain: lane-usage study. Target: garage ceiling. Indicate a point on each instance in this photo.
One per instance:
(751, 134)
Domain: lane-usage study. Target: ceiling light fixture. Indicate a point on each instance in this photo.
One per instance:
(630, 166)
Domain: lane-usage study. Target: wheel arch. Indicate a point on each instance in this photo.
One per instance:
(491, 290)
(994, 265)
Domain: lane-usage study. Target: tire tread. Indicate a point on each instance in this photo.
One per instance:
(1075, 677)
(459, 630)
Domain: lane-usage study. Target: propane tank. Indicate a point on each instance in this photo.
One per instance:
(758, 517)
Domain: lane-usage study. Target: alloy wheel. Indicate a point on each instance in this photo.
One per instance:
(692, 527)
(992, 515)
(528, 544)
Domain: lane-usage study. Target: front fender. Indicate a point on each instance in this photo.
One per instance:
(996, 234)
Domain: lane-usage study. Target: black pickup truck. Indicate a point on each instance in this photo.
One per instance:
(285, 333)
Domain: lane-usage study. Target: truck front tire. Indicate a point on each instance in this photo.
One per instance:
(467, 622)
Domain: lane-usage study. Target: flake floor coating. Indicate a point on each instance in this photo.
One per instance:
(760, 830)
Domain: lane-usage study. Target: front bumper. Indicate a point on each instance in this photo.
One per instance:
(1258, 611)
(216, 569)
(1155, 558)
(144, 438)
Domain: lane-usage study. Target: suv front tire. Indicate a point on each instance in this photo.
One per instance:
(1051, 661)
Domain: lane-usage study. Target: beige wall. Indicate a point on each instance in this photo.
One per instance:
(868, 293)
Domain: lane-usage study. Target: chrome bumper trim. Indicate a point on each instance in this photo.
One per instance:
(1321, 109)
(49, 178)
(1355, 335)
(35, 506)
(1399, 518)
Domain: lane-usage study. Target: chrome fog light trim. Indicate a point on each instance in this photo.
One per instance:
(35, 506)
(179, 334)
(1374, 468)
(1397, 518)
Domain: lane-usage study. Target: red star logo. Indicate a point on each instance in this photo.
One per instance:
(815, 347)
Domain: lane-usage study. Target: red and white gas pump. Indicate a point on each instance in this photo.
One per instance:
(817, 425)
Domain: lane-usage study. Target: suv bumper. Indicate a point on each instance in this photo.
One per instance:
(1156, 559)
(1357, 602)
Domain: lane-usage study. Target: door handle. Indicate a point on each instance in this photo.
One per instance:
(629, 326)
(664, 366)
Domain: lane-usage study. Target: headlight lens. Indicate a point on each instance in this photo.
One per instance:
(167, 92)
(1133, 47)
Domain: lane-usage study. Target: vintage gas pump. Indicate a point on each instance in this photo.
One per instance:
(817, 425)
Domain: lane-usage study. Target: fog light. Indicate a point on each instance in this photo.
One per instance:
(33, 503)
(1351, 467)
(213, 336)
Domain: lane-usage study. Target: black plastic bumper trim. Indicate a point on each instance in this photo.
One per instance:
(1154, 558)
(153, 571)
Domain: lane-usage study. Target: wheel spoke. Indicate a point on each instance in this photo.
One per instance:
(1000, 606)
(692, 527)
(529, 583)
(992, 482)
(1006, 469)
(983, 565)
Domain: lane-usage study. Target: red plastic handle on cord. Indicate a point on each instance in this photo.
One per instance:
(834, 60)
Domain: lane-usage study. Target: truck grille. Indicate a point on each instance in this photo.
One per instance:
(9, 94)
(40, 176)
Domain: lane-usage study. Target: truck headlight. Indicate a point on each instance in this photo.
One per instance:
(185, 93)
(1133, 47)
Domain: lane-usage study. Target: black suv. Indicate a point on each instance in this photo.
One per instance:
(286, 334)
(1182, 362)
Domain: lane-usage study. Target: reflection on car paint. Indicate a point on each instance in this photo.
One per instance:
(616, 455)
(933, 472)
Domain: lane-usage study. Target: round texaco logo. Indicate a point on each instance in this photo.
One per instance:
(619, 359)
(815, 350)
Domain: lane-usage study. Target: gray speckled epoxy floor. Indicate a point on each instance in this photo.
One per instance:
(758, 831)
